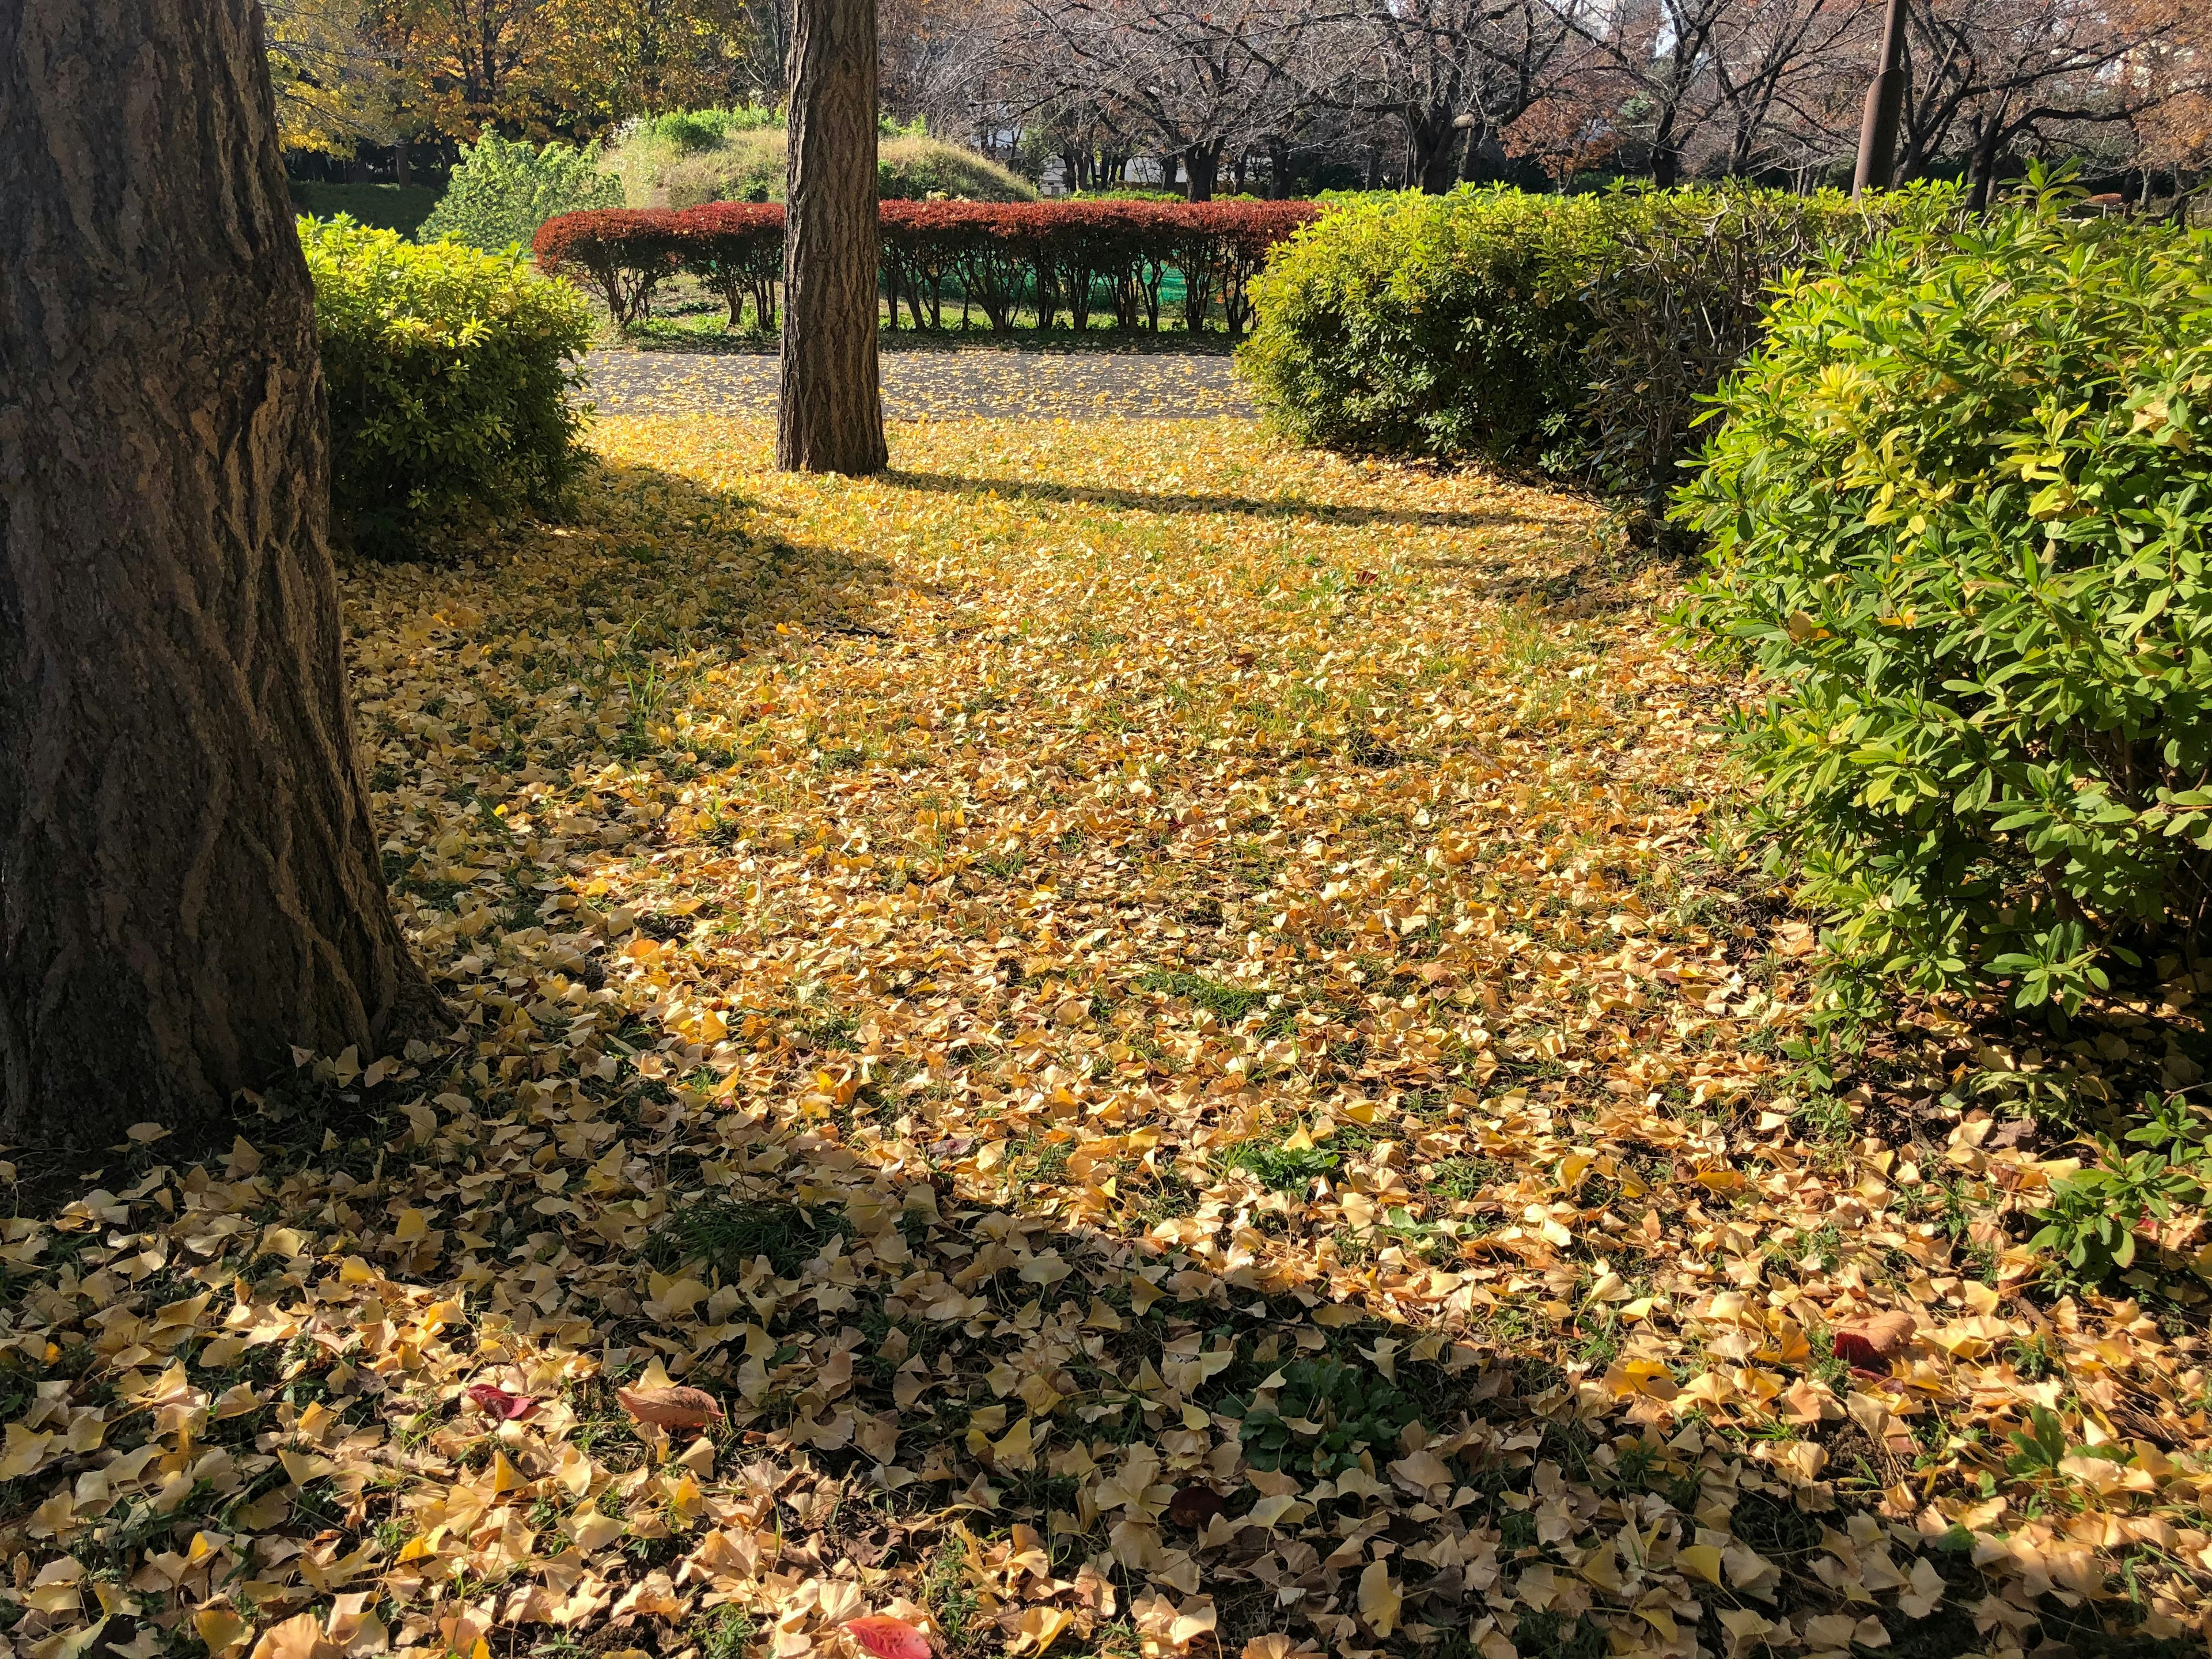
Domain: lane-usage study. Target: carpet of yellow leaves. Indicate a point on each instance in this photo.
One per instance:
(1170, 1027)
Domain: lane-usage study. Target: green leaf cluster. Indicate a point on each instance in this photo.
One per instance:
(2097, 1215)
(1960, 515)
(448, 373)
(1281, 1169)
(503, 190)
(1576, 333)
(1324, 1415)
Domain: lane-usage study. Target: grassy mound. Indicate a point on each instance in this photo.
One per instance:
(724, 156)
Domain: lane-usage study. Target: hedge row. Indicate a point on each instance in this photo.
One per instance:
(1580, 334)
(1071, 258)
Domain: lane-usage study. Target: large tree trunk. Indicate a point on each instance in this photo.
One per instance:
(189, 884)
(831, 416)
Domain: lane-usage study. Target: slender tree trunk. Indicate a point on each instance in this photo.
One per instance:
(1429, 152)
(401, 174)
(189, 884)
(1989, 140)
(831, 418)
(1470, 167)
(1278, 170)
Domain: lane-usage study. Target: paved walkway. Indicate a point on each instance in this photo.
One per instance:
(935, 384)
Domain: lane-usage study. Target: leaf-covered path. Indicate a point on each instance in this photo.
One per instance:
(1169, 1032)
(935, 381)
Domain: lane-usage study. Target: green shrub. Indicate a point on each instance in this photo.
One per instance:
(1960, 513)
(2102, 1215)
(1680, 301)
(1578, 333)
(688, 131)
(1442, 325)
(448, 375)
(502, 191)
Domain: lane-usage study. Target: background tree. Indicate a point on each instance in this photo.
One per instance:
(189, 884)
(830, 415)
(2170, 73)
(1194, 84)
(1774, 60)
(1443, 76)
(1985, 73)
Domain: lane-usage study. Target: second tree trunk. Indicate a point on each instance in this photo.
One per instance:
(830, 417)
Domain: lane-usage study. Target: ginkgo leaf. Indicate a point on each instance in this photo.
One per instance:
(1379, 1599)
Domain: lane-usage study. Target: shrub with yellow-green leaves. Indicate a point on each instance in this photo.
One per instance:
(1961, 514)
(449, 371)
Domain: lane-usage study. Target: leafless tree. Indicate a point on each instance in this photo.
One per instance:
(1774, 59)
(1450, 73)
(1986, 73)
(1427, 91)
(1194, 83)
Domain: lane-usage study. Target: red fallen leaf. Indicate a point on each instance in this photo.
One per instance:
(499, 1403)
(888, 1638)
(1193, 1506)
(671, 1409)
(1871, 1344)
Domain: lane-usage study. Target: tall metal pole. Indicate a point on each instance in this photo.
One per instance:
(1885, 107)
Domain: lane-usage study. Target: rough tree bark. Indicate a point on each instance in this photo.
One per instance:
(189, 884)
(1201, 168)
(831, 418)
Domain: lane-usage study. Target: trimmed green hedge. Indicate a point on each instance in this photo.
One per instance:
(448, 374)
(1578, 334)
(1961, 516)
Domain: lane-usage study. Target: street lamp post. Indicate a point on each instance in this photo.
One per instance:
(1884, 105)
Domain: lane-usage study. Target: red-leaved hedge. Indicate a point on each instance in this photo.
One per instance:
(1062, 258)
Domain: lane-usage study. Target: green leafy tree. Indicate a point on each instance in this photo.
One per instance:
(503, 190)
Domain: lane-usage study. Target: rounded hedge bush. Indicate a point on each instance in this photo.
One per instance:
(1961, 514)
(1446, 326)
(448, 372)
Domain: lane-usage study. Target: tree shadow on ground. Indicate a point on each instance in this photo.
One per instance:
(650, 553)
(1514, 1425)
(1138, 500)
